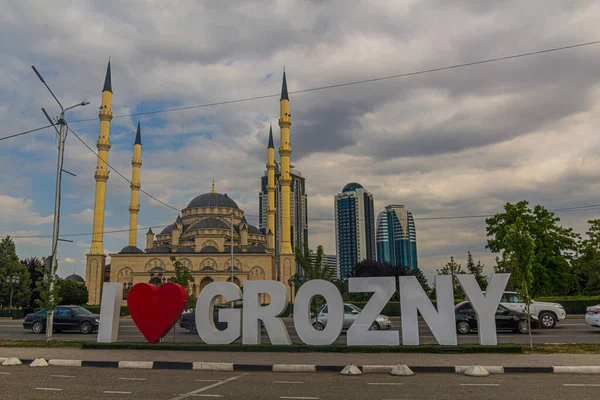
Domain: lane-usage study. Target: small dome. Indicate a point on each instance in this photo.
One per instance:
(256, 249)
(210, 223)
(131, 250)
(209, 249)
(254, 230)
(351, 187)
(213, 200)
(167, 230)
(236, 249)
(159, 249)
(186, 249)
(75, 278)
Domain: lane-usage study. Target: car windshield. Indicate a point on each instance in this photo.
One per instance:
(81, 311)
(41, 312)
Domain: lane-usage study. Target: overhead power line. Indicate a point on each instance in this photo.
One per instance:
(351, 83)
(120, 174)
(25, 133)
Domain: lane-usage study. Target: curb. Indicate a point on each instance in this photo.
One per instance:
(229, 367)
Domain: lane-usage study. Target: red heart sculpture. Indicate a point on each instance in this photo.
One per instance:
(155, 311)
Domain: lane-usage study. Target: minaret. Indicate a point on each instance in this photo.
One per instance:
(134, 207)
(285, 150)
(101, 175)
(271, 209)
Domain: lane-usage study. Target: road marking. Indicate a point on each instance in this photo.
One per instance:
(115, 392)
(287, 382)
(581, 384)
(479, 384)
(299, 398)
(63, 376)
(208, 380)
(52, 389)
(131, 379)
(192, 393)
(205, 395)
(4, 373)
(383, 383)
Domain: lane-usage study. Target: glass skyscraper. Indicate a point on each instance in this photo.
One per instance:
(354, 228)
(397, 237)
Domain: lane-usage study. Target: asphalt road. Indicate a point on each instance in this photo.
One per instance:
(566, 331)
(95, 383)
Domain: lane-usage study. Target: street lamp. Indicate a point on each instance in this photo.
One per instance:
(59, 169)
(12, 280)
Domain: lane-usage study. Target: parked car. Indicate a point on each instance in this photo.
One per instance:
(188, 320)
(65, 318)
(350, 312)
(548, 313)
(466, 319)
(592, 316)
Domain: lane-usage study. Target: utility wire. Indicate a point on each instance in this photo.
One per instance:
(25, 133)
(351, 83)
(120, 174)
(590, 207)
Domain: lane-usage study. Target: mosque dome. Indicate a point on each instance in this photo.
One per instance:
(212, 200)
(351, 187)
(131, 250)
(210, 223)
(75, 278)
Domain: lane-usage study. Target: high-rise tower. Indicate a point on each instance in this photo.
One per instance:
(285, 150)
(271, 210)
(397, 237)
(96, 259)
(134, 207)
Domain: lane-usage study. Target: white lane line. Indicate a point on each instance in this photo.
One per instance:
(205, 395)
(581, 384)
(63, 376)
(115, 392)
(190, 394)
(479, 384)
(384, 383)
(208, 380)
(131, 379)
(4, 373)
(287, 382)
(299, 398)
(51, 389)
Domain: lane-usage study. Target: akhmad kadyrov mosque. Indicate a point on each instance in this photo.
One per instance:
(201, 236)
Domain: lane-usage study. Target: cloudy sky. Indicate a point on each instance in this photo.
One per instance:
(451, 143)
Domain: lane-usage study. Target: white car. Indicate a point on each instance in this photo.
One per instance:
(548, 313)
(592, 316)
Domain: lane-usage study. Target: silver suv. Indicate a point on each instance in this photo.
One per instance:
(548, 313)
(350, 312)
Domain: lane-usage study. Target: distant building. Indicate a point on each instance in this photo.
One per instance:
(354, 228)
(329, 260)
(298, 208)
(397, 237)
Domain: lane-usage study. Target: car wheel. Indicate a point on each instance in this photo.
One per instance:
(374, 327)
(463, 327)
(318, 326)
(523, 326)
(548, 320)
(37, 327)
(86, 327)
(193, 328)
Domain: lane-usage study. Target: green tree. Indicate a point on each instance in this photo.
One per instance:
(422, 279)
(453, 268)
(312, 270)
(183, 277)
(520, 248)
(72, 293)
(555, 245)
(586, 265)
(33, 265)
(477, 270)
(11, 267)
(48, 300)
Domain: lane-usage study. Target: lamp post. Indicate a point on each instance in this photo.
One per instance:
(59, 169)
(12, 280)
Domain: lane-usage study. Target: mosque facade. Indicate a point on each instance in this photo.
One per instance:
(202, 236)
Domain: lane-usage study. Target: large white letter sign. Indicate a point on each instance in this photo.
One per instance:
(253, 311)
(358, 333)
(205, 306)
(110, 311)
(414, 299)
(335, 314)
(485, 306)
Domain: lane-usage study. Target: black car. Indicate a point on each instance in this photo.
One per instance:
(188, 321)
(65, 318)
(466, 319)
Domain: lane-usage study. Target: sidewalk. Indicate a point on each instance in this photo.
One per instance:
(530, 360)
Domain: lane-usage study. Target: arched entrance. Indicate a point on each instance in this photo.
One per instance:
(205, 281)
